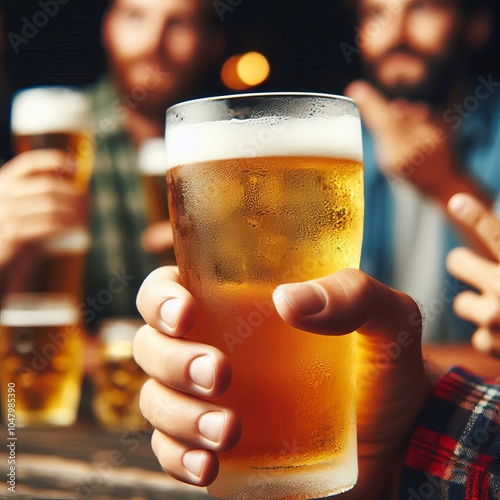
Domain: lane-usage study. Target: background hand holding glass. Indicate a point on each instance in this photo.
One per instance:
(58, 118)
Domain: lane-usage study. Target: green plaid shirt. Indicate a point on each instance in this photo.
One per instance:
(116, 263)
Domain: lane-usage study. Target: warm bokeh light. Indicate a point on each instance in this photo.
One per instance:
(230, 76)
(252, 68)
(242, 71)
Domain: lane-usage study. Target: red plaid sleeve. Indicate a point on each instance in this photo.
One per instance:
(454, 453)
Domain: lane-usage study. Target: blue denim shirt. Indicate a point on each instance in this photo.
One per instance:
(476, 126)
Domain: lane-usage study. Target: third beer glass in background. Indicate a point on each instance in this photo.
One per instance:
(118, 379)
(57, 117)
(264, 190)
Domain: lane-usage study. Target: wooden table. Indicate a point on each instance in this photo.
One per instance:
(462, 354)
(87, 462)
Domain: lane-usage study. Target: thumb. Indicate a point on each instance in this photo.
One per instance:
(347, 301)
(373, 106)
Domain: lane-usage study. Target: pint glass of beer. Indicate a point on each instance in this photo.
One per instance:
(267, 189)
(151, 163)
(57, 117)
(118, 378)
(41, 352)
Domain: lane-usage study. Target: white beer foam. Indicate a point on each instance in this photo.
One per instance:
(49, 109)
(151, 157)
(16, 318)
(119, 329)
(224, 140)
(77, 240)
(37, 309)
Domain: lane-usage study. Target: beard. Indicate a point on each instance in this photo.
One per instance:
(151, 86)
(434, 88)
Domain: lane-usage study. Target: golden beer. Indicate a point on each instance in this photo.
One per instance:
(118, 378)
(155, 189)
(60, 266)
(41, 350)
(242, 226)
(76, 144)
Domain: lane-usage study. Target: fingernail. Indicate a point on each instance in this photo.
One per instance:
(193, 461)
(304, 298)
(458, 205)
(211, 425)
(201, 372)
(170, 312)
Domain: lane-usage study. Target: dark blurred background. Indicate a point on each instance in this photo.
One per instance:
(299, 37)
(302, 40)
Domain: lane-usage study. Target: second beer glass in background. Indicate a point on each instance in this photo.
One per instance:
(264, 190)
(151, 162)
(57, 117)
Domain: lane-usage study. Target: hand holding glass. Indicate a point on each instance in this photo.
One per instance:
(58, 117)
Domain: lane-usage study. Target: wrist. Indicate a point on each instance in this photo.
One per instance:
(380, 473)
(379, 478)
(453, 183)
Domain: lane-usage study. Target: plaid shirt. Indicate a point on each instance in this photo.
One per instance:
(455, 451)
(116, 264)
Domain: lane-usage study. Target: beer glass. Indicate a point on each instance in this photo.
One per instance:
(41, 351)
(118, 378)
(57, 117)
(151, 163)
(267, 189)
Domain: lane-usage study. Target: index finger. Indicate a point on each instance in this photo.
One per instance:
(373, 106)
(165, 304)
(41, 162)
(470, 214)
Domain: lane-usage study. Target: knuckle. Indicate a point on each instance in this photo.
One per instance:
(495, 286)
(451, 259)
(492, 310)
(463, 301)
(455, 258)
(137, 344)
(146, 396)
(158, 447)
